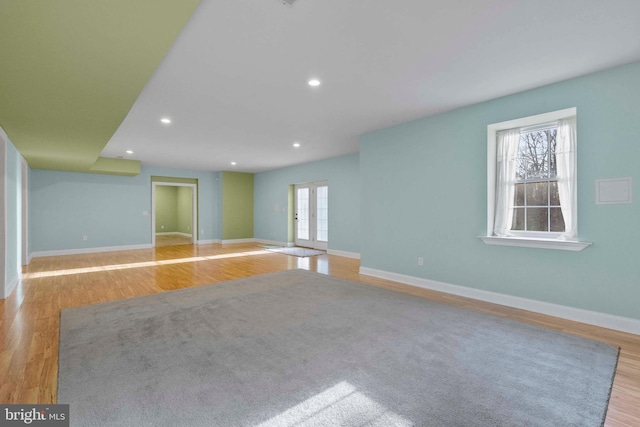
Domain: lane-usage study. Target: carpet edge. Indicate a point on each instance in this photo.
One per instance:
(613, 377)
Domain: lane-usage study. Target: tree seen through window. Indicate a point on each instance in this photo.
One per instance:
(536, 200)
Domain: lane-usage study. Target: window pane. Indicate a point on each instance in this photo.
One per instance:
(519, 195)
(521, 168)
(518, 219)
(538, 167)
(536, 154)
(322, 214)
(551, 138)
(303, 213)
(537, 219)
(533, 154)
(537, 193)
(553, 193)
(557, 220)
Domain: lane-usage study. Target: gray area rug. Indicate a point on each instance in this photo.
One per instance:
(295, 251)
(297, 348)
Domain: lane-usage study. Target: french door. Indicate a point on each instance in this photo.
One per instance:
(312, 215)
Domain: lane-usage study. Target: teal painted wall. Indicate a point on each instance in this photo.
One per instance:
(11, 202)
(108, 209)
(424, 195)
(166, 209)
(271, 200)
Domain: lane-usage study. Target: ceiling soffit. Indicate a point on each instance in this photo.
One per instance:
(71, 70)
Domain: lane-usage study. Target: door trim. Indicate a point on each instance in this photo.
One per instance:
(313, 241)
(194, 213)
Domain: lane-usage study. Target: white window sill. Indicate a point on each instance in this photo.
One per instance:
(563, 245)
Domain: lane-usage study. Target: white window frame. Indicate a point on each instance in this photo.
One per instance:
(543, 240)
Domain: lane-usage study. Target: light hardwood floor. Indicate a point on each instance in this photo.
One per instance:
(172, 240)
(29, 318)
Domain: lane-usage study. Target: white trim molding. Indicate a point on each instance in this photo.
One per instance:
(231, 241)
(89, 250)
(522, 241)
(194, 208)
(624, 324)
(564, 245)
(272, 242)
(208, 242)
(345, 254)
(13, 284)
(174, 233)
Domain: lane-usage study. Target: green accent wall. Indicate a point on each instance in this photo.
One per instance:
(174, 209)
(116, 166)
(71, 70)
(184, 206)
(174, 180)
(237, 205)
(166, 209)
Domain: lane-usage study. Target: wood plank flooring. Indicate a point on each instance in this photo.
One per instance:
(172, 239)
(29, 318)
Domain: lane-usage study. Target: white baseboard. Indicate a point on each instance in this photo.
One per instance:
(12, 285)
(89, 250)
(292, 244)
(624, 324)
(345, 254)
(173, 233)
(273, 242)
(229, 241)
(209, 241)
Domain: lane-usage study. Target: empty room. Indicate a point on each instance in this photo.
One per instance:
(319, 213)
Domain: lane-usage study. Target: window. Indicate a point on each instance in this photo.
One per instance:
(532, 197)
(536, 201)
(322, 217)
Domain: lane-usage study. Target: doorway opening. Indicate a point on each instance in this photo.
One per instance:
(311, 215)
(173, 214)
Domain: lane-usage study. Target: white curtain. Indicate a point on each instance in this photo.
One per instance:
(566, 153)
(506, 161)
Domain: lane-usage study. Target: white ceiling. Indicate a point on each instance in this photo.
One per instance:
(235, 81)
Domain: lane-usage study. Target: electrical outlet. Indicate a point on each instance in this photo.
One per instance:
(420, 261)
(162, 227)
(84, 237)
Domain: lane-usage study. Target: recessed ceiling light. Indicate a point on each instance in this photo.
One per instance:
(314, 82)
(296, 144)
(129, 152)
(233, 163)
(165, 120)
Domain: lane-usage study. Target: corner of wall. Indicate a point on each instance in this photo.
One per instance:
(3, 214)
